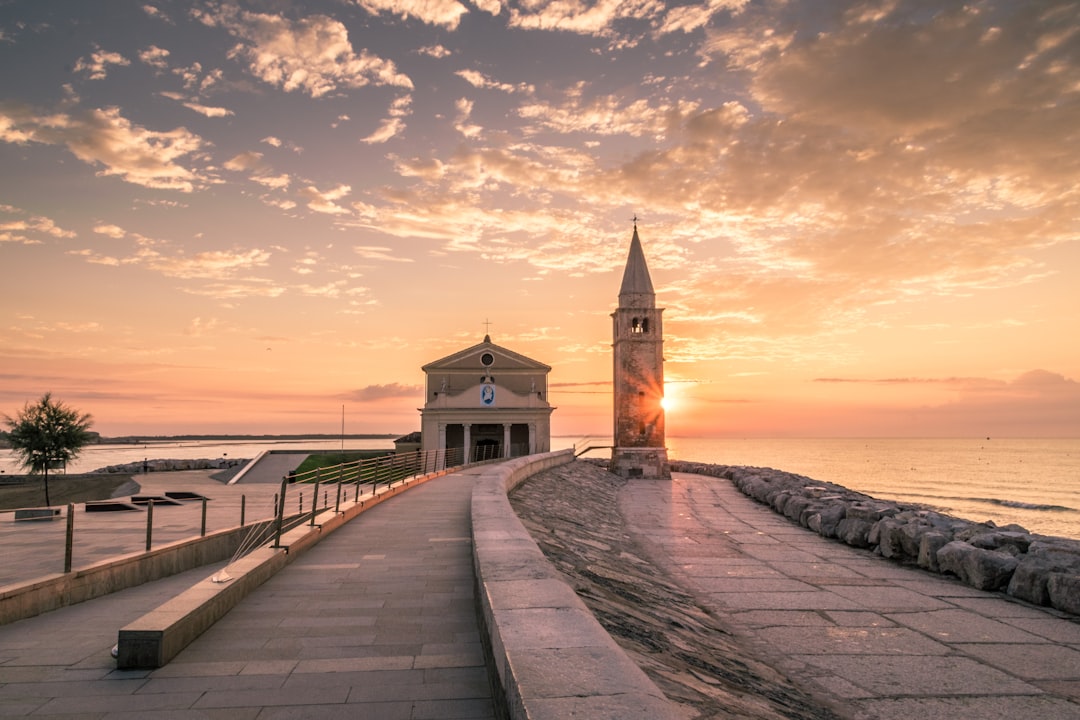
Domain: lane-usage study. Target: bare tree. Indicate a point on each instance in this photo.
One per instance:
(46, 434)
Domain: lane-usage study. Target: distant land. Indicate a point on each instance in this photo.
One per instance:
(140, 439)
(136, 439)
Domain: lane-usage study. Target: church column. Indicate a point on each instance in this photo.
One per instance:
(506, 440)
(532, 438)
(440, 448)
(468, 441)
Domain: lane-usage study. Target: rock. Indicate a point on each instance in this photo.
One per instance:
(929, 544)
(1031, 580)
(981, 569)
(1064, 591)
(854, 532)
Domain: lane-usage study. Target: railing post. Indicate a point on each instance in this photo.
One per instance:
(337, 502)
(202, 529)
(315, 497)
(279, 511)
(69, 538)
(149, 523)
(243, 508)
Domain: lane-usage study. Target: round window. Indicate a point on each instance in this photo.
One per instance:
(487, 359)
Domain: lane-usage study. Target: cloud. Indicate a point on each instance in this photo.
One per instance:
(436, 51)
(374, 393)
(687, 18)
(580, 16)
(311, 55)
(104, 138)
(480, 80)
(393, 125)
(245, 161)
(607, 115)
(373, 252)
(155, 57)
(29, 230)
(444, 13)
(97, 66)
(325, 201)
(114, 231)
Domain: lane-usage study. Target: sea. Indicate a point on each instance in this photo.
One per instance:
(1031, 482)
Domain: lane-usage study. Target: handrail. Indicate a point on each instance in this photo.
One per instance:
(329, 483)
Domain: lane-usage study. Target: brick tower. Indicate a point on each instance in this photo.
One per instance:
(639, 449)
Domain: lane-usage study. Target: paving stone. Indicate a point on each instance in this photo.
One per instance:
(963, 626)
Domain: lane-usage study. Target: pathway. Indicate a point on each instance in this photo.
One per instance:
(874, 639)
(376, 621)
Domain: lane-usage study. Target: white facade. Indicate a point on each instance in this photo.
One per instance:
(488, 400)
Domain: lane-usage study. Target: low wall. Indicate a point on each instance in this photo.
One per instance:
(551, 656)
(58, 590)
(1039, 569)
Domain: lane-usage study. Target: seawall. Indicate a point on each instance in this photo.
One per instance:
(1040, 569)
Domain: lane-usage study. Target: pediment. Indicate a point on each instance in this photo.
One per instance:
(470, 360)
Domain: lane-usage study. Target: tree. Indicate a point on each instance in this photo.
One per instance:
(46, 434)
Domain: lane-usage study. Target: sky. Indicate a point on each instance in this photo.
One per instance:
(861, 218)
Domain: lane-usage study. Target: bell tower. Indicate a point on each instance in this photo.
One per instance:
(638, 381)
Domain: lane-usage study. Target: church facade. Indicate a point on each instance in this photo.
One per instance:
(639, 448)
(488, 401)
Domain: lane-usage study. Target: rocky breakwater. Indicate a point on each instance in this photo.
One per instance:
(167, 465)
(1039, 569)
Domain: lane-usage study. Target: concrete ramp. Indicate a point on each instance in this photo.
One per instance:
(270, 467)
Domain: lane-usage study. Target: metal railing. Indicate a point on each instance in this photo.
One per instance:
(363, 477)
(301, 498)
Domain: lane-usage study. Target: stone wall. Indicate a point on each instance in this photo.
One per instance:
(1040, 569)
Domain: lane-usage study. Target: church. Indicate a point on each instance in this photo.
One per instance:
(493, 402)
(489, 400)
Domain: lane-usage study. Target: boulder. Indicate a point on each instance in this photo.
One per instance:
(982, 569)
(1031, 580)
(854, 532)
(929, 544)
(1064, 591)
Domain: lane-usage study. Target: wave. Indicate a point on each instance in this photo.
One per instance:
(1000, 502)
(1021, 505)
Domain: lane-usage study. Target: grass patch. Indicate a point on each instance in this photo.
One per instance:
(325, 460)
(63, 489)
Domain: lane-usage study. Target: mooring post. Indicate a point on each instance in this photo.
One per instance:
(202, 529)
(149, 523)
(243, 508)
(69, 537)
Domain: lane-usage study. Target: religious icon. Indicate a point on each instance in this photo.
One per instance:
(487, 394)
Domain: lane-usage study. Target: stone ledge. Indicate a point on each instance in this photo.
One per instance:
(552, 658)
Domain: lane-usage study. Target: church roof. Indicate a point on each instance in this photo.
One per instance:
(636, 286)
(468, 359)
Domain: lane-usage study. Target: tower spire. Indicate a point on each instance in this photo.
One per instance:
(637, 288)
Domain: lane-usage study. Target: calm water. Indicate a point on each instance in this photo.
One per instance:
(1035, 483)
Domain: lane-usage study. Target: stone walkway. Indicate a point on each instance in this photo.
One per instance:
(871, 638)
(376, 621)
